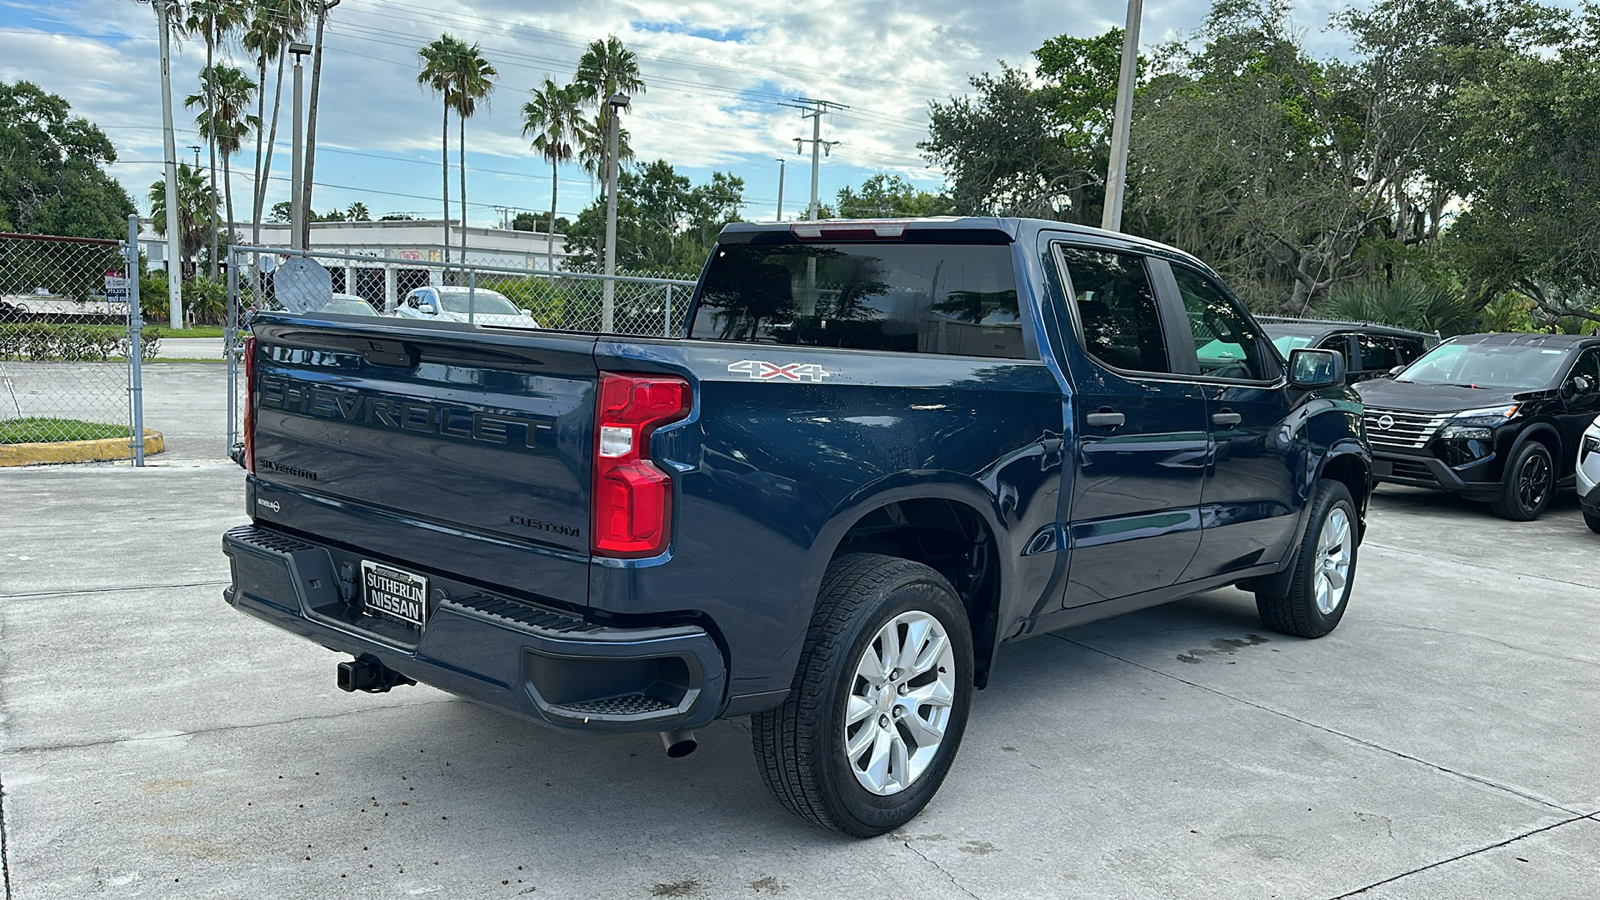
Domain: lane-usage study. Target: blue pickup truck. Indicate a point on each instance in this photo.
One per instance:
(880, 450)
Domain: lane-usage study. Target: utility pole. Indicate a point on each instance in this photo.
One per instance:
(298, 215)
(195, 148)
(781, 163)
(618, 103)
(1117, 177)
(813, 110)
(170, 158)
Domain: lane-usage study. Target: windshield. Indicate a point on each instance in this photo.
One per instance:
(1290, 342)
(1519, 366)
(484, 303)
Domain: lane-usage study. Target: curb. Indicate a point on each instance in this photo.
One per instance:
(77, 451)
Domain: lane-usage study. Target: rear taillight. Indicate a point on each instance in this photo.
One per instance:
(632, 497)
(249, 405)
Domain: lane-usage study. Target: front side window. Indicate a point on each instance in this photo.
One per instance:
(1410, 349)
(1226, 341)
(958, 299)
(1117, 309)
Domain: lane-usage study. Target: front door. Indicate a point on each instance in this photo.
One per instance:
(1249, 505)
(1139, 430)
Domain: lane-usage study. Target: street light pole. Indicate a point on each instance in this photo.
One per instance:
(170, 158)
(1117, 177)
(618, 103)
(781, 163)
(298, 214)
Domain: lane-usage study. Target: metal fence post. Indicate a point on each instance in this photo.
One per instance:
(230, 336)
(472, 296)
(135, 342)
(666, 319)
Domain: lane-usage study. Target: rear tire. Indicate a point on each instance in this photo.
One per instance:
(1530, 482)
(1591, 520)
(1324, 569)
(855, 749)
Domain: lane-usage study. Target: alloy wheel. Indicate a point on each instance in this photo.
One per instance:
(899, 703)
(1335, 549)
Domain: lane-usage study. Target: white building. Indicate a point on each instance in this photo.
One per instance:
(381, 274)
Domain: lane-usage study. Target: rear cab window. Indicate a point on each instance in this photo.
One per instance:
(900, 296)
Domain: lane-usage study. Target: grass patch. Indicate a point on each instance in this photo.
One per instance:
(36, 430)
(198, 331)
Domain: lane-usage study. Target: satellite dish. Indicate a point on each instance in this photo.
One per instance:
(302, 285)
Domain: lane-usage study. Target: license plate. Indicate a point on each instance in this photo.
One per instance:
(394, 592)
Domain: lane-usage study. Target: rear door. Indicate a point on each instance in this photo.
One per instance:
(1140, 432)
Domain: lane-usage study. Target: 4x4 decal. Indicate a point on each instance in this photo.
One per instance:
(761, 370)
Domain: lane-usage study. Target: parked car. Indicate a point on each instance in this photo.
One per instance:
(455, 303)
(350, 305)
(1588, 475)
(882, 450)
(1493, 417)
(1369, 351)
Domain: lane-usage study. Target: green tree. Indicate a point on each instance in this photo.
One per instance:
(607, 68)
(52, 179)
(225, 121)
(554, 118)
(472, 80)
(357, 212)
(890, 196)
(273, 25)
(665, 223)
(214, 21)
(197, 206)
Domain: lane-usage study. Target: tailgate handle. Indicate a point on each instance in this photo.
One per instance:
(390, 353)
(1105, 418)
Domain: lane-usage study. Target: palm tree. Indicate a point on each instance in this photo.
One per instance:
(322, 8)
(225, 121)
(357, 212)
(213, 20)
(196, 202)
(438, 61)
(472, 80)
(274, 24)
(607, 68)
(555, 119)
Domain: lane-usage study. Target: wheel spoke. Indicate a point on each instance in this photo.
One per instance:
(888, 650)
(934, 693)
(916, 635)
(1335, 578)
(862, 740)
(899, 761)
(931, 652)
(857, 709)
(924, 732)
(877, 768)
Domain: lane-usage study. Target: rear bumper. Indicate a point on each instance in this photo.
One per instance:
(541, 664)
(1476, 481)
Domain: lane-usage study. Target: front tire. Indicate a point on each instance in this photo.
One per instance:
(1530, 482)
(1324, 569)
(879, 702)
(1591, 520)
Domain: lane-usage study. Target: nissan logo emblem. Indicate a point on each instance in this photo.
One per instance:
(1386, 422)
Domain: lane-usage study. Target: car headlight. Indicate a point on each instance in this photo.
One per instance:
(1476, 424)
(1591, 444)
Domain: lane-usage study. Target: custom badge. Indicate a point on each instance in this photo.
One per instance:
(761, 370)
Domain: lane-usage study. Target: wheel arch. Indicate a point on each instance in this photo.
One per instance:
(946, 522)
(1546, 434)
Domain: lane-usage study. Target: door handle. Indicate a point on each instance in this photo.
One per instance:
(1226, 419)
(1105, 418)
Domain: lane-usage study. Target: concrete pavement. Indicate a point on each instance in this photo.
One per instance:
(154, 743)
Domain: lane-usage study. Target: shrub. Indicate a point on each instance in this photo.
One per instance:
(206, 301)
(1407, 302)
(52, 342)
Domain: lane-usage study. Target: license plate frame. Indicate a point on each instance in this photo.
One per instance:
(392, 593)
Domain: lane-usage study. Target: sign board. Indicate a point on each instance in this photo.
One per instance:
(116, 289)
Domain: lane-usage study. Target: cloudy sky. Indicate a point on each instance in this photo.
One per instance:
(718, 76)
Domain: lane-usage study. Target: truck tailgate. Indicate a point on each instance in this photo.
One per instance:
(476, 443)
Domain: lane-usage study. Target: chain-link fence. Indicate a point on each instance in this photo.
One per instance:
(274, 278)
(65, 336)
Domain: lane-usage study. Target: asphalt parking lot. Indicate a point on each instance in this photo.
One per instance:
(1442, 743)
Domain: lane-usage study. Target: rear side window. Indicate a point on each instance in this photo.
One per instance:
(1377, 353)
(1410, 348)
(912, 298)
(1117, 309)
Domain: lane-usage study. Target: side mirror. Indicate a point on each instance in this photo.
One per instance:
(1396, 371)
(527, 314)
(1580, 384)
(428, 308)
(1310, 369)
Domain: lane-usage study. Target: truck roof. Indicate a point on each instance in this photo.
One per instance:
(1013, 228)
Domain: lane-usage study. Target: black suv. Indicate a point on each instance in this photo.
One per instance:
(1369, 351)
(1495, 417)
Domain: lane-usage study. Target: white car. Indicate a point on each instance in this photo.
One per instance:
(1588, 475)
(454, 303)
